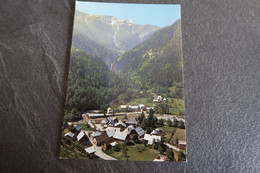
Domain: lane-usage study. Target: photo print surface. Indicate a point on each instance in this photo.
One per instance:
(124, 97)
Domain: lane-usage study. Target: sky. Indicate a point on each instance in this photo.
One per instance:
(153, 14)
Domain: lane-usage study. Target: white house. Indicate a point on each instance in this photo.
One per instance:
(151, 138)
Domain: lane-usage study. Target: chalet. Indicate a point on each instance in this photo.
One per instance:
(83, 138)
(141, 106)
(131, 121)
(155, 132)
(139, 131)
(156, 100)
(129, 129)
(160, 158)
(69, 134)
(91, 151)
(95, 134)
(108, 121)
(107, 143)
(99, 140)
(134, 108)
(149, 108)
(120, 125)
(76, 129)
(120, 136)
(182, 144)
(113, 129)
(110, 133)
(109, 110)
(164, 100)
(151, 138)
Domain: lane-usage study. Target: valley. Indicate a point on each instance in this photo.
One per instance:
(124, 91)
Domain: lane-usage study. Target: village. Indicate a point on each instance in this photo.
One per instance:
(134, 132)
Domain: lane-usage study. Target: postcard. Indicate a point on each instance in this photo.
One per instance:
(124, 97)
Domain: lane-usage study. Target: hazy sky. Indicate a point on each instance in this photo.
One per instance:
(159, 14)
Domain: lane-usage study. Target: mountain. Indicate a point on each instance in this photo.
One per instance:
(155, 62)
(91, 84)
(106, 36)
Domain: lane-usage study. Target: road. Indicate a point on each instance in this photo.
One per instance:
(172, 147)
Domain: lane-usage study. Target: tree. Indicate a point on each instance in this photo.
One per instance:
(160, 122)
(169, 123)
(175, 122)
(135, 137)
(116, 147)
(170, 154)
(141, 118)
(160, 149)
(181, 124)
(181, 154)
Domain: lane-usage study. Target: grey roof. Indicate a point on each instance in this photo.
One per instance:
(78, 128)
(80, 135)
(131, 120)
(70, 134)
(120, 123)
(90, 149)
(95, 134)
(110, 133)
(120, 135)
(139, 131)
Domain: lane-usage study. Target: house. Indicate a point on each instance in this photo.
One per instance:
(129, 129)
(76, 129)
(120, 136)
(149, 108)
(139, 131)
(113, 143)
(83, 138)
(164, 100)
(109, 110)
(113, 129)
(91, 151)
(160, 158)
(120, 125)
(133, 108)
(99, 140)
(155, 132)
(131, 121)
(69, 134)
(123, 107)
(182, 144)
(141, 106)
(95, 134)
(151, 138)
(108, 121)
(110, 133)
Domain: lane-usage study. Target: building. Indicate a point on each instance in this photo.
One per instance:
(152, 138)
(131, 121)
(95, 134)
(134, 108)
(99, 140)
(69, 134)
(109, 110)
(129, 129)
(120, 136)
(120, 125)
(139, 131)
(182, 144)
(91, 151)
(76, 129)
(83, 138)
(113, 129)
(123, 107)
(160, 158)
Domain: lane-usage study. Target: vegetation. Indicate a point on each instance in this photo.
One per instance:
(90, 84)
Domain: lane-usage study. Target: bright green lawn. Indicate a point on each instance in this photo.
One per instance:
(147, 155)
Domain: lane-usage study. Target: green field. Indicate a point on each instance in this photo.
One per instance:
(141, 101)
(167, 131)
(133, 153)
(180, 134)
